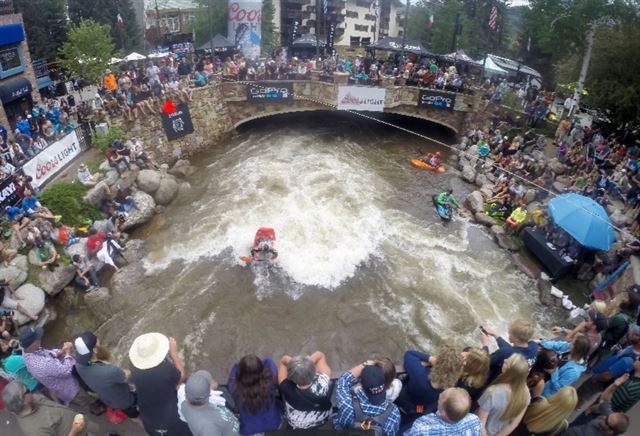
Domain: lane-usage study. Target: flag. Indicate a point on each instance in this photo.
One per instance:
(376, 9)
(529, 43)
(119, 22)
(325, 7)
(430, 20)
(493, 18)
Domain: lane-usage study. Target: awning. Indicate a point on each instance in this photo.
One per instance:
(15, 89)
(11, 33)
(395, 44)
(218, 42)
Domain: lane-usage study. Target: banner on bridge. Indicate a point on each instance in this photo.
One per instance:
(8, 194)
(178, 123)
(267, 92)
(440, 100)
(361, 98)
(52, 159)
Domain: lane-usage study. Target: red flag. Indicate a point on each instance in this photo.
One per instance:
(169, 107)
(119, 22)
(493, 18)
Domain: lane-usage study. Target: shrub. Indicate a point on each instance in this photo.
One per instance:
(104, 141)
(65, 198)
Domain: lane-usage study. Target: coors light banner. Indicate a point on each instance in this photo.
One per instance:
(245, 21)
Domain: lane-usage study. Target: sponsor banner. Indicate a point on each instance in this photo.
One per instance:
(361, 98)
(178, 123)
(442, 100)
(8, 195)
(269, 91)
(245, 24)
(52, 159)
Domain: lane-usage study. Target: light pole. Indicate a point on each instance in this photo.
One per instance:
(404, 31)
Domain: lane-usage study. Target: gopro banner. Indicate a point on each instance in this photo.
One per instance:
(442, 100)
(269, 92)
(361, 98)
(178, 123)
(245, 23)
(52, 159)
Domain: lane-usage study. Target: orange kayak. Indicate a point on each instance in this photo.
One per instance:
(426, 166)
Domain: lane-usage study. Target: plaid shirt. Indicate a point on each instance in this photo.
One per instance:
(346, 413)
(433, 425)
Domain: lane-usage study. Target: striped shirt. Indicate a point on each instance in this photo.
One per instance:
(626, 396)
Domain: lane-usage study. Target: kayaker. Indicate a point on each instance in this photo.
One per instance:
(447, 199)
(432, 159)
(264, 250)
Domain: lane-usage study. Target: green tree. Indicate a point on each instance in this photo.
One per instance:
(46, 25)
(211, 20)
(270, 35)
(417, 22)
(88, 50)
(106, 12)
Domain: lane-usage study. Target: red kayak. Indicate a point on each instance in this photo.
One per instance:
(263, 246)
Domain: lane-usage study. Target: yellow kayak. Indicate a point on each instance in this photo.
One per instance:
(426, 166)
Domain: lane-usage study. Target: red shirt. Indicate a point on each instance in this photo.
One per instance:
(94, 243)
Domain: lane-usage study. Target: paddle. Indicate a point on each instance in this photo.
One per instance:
(246, 259)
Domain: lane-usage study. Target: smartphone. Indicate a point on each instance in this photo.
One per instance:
(483, 330)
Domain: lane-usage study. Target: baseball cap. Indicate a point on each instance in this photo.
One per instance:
(84, 345)
(29, 335)
(372, 381)
(198, 387)
(599, 320)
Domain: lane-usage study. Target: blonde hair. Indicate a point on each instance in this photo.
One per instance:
(476, 367)
(447, 368)
(521, 331)
(514, 376)
(548, 414)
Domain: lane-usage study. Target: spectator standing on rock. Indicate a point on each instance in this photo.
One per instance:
(304, 385)
(107, 381)
(156, 372)
(451, 419)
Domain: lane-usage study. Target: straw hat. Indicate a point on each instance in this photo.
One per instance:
(149, 350)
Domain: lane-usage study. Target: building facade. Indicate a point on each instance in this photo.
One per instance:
(166, 22)
(18, 84)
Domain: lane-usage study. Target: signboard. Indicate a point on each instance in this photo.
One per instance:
(8, 194)
(437, 99)
(245, 23)
(361, 98)
(52, 159)
(269, 92)
(178, 123)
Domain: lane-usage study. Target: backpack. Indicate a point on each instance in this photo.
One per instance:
(362, 421)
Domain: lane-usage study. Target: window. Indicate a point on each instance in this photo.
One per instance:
(11, 61)
(361, 28)
(355, 41)
(363, 3)
(352, 14)
(370, 17)
(173, 24)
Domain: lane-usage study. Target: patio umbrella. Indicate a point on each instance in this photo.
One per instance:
(115, 61)
(584, 219)
(134, 57)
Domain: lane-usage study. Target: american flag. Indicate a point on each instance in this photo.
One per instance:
(325, 7)
(493, 18)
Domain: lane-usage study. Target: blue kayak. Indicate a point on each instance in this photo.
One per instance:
(444, 212)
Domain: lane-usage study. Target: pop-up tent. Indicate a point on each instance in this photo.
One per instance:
(389, 43)
(219, 43)
(459, 56)
(308, 40)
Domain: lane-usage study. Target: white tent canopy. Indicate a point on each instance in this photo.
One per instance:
(134, 57)
(491, 67)
(115, 61)
(158, 55)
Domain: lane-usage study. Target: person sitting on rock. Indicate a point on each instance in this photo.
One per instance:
(140, 156)
(46, 255)
(86, 178)
(9, 301)
(516, 219)
(8, 331)
(86, 276)
(33, 209)
(18, 222)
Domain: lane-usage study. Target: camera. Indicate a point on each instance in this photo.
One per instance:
(6, 313)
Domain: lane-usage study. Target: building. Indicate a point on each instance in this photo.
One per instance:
(18, 84)
(176, 19)
(358, 23)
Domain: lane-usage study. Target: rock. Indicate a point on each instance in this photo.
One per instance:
(475, 202)
(556, 166)
(148, 181)
(539, 157)
(619, 219)
(491, 177)
(481, 179)
(100, 225)
(530, 196)
(143, 211)
(159, 210)
(32, 301)
(100, 303)
(79, 247)
(69, 297)
(33, 259)
(507, 242)
(526, 266)
(487, 193)
(14, 275)
(135, 250)
(484, 219)
(53, 282)
(182, 168)
(96, 194)
(497, 230)
(544, 292)
(111, 177)
(127, 179)
(468, 174)
(20, 262)
(47, 316)
(183, 189)
(166, 192)
(559, 187)
(104, 166)
(562, 179)
(121, 284)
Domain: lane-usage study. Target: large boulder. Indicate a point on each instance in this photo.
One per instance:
(53, 282)
(481, 180)
(544, 292)
(111, 177)
(525, 265)
(468, 174)
(32, 299)
(497, 230)
(14, 275)
(79, 247)
(530, 196)
(556, 166)
(182, 168)
(100, 225)
(96, 194)
(166, 192)
(121, 283)
(20, 262)
(619, 219)
(559, 187)
(507, 242)
(474, 202)
(486, 192)
(183, 189)
(101, 304)
(126, 179)
(484, 219)
(142, 213)
(148, 181)
(135, 250)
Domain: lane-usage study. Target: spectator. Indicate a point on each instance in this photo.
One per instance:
(304, 385)
(86, 276)
(253, 383)
(607, 423)
(9, 300)
(474, 372)
(392, 385)
(504, 403)
(568, 373)
(451, 419)
(46, 255)
(627, 394)
(33, 209)
(86, 178)
(156, 372)
(547, 363)
(619, 324)
(548, 416)
(591, 328)
(368, 407)
(15, 366)
(108, 381)
(520, 333)
(38, 416)
(203, 418)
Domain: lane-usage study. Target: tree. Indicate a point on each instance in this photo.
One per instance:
(88, 50)
(270, 35)
(46, 25)
(106, 12)
(211, 20)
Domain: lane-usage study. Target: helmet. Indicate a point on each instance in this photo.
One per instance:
(437, 153)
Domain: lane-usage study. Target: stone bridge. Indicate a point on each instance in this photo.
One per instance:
(310, 95)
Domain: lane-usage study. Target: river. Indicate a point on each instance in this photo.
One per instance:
(365, 268)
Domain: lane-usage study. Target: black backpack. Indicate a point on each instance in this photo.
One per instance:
(364, 422)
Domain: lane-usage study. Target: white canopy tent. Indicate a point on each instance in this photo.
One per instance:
(158, 55)
(134, 57)
(490, 67)
(115, 61)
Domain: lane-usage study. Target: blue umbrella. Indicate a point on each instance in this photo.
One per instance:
(584, 219)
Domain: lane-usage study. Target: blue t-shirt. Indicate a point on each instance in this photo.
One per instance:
(419, 390)
(13, 212)
(505, 350)
(29, 205)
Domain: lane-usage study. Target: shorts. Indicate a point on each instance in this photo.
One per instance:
(9, 303)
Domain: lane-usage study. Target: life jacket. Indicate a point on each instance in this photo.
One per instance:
(362, 421)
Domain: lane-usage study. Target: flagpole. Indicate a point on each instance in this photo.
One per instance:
(404, 31)
(317, 29)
